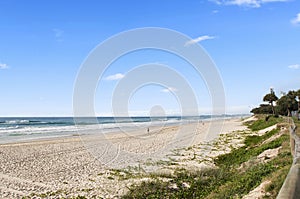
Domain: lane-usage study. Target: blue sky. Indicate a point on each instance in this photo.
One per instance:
(255, 45)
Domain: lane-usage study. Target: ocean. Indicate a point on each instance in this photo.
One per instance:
(14, 129)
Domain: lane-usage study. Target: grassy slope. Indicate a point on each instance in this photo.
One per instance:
(297, 123)
(226, 180)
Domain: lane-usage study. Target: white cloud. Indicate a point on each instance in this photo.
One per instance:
(247, 3)
(3, 66)
(199, 39)
(115, 77)
(294, 66)
(168, 90)
(296, 20)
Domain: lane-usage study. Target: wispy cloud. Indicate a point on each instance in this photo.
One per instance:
(3, 66)
(199, 39)
(58, 33)
(168, 90)
(296, 20)
(114, 77)
(294, 66)
(247, 3)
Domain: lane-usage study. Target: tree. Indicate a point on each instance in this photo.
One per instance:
(297, 93)
(262, 109)
(287, 103)
(271, 97)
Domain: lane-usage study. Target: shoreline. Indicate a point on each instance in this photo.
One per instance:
(29, 129)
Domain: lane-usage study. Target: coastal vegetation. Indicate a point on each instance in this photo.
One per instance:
(285, 105)
(234, 174)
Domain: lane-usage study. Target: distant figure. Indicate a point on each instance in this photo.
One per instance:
(148, 130)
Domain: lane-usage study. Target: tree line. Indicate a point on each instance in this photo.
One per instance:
(285, 105)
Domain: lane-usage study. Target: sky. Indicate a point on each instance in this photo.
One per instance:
(254, 44)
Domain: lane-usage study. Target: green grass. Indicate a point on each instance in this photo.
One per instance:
(243, 183)
(201, 184)
(213, 183)
(297, 123)
(261, 123)
(122, 174)
(250, 150)
(226, 180)
(254, 140)
(277, 180)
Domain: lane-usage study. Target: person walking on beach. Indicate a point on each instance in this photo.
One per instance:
(148, 130)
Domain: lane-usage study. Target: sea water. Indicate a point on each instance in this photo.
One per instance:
(13, 129)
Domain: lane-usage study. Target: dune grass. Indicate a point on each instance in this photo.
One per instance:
(263, 122)
(297, 123)
(226, 180)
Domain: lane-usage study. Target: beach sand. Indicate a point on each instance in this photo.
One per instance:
(87, 164)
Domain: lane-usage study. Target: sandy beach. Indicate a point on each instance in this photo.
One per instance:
(87, 165)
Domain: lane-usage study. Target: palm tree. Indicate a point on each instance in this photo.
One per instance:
(271, 97)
